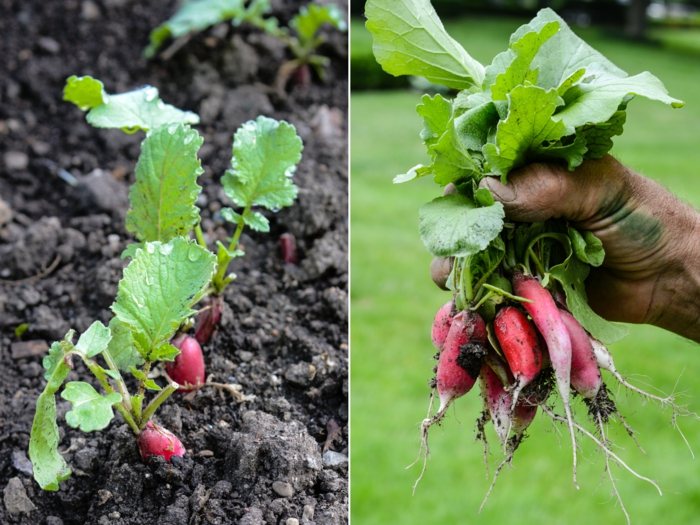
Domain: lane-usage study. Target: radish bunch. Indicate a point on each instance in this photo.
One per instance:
(518, 345)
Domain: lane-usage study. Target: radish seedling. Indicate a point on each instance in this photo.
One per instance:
(549, 97)
(164, 196)
(303, 37)
(155, 295)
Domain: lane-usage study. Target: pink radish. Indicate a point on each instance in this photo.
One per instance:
(155, 440)
(585, 375)
(208, 320)
(188, 368)
(520, 345)
(288, 248)
(545, 315)
(467, 332)
(497, 400)
(441, 324)
(458, 367)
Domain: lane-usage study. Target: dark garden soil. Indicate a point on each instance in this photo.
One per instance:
(281, 455)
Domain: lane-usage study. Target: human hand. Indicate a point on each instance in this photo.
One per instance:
(651, 272)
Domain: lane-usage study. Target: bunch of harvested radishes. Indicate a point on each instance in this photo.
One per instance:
(530, 343)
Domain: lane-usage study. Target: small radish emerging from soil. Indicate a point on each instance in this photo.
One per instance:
(288, 248)
(155, 440)
(545, 315)
(208, 320)
(188, 368)
(520, 344)
(441, 324)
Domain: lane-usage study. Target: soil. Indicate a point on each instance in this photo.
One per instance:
(280, 456)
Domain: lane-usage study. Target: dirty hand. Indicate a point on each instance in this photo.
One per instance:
(651, 272)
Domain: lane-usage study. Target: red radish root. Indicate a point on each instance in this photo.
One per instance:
(208, 320)
(188, 368)
(520, 345)
(441, 324)
(457, 369)
(585, 375)
(545, 315)
(155, 440)
(288, 248)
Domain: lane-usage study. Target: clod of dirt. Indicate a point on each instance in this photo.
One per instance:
(16, 499)
(286, 448)
(244, 103)
(334, 459)
(5, 212)
(470, 358)
(99, 190)
(34, 251)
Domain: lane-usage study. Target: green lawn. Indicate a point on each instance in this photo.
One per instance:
(393, 301)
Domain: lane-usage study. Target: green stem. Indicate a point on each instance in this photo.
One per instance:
(501, 291)
(485, 298)
(199, 234)
(99, 373)
(142, 383)
(219, 279)
(156, 402)
(467, 281)
(121, 385)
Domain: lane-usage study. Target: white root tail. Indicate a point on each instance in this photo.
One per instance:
(605, 449)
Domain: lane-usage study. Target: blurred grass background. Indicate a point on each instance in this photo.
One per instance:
(394, 300)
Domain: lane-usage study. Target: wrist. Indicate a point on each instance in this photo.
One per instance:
(675, 301)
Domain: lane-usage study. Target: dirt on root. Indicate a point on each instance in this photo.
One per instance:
(63, 195)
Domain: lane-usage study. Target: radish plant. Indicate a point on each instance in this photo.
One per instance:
(303, 37)
(163, 198)
(549, 97)
(156, 294)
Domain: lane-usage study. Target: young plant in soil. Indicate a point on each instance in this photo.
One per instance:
(548, 97)
(304, 43)
(197, 15)
(156, 294)
(163, 198)
(304, 39)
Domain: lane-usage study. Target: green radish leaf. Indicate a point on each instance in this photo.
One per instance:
(231, 216)
(121, 348)
(312, 17)
(409, 39)
(475, 126)
(415, 172)
(57, 354)
(265, 155)
(94, 340)
(165, 352)
(198, 15)
(193, 16)
(138, 110)
(166, 190)
(91, 411)
(587, 247)
(529, 123)
(84, 92)
(436, 112)
(256, 221)
(48, 465)
(451, 161)
(598, 138)
(597, 100)
(523, 51)
(159, 287)
(452, 226)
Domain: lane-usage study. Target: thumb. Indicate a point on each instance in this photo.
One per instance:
(538, 192)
